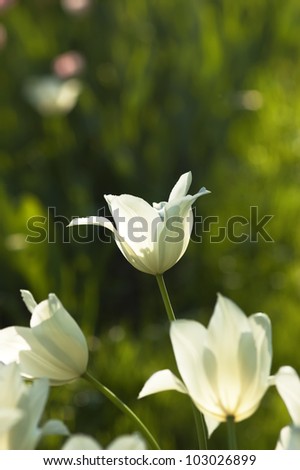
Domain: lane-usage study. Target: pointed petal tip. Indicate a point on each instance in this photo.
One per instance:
(78, 221)
(28, 299)
(107, 197)
(83, 220)
(24, 292)
(221, 297)
(224, 298)
(91, 220)
(162, 381)
(203, 190)
(53, 298)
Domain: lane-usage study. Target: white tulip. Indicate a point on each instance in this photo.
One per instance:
(125, 442)
(81, 442)
(224, 368)
(50, 95)
(24, 404)
(287, 383)
(53, 347)
(128, 442)
(151, 237)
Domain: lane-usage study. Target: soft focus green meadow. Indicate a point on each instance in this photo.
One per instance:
(211, 86)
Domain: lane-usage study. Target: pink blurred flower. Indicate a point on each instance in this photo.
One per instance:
(76, 7)
(6, 4)
(68, 64)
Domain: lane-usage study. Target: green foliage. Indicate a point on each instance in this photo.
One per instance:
(169, 86)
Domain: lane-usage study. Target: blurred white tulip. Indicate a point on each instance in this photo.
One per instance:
(50, 95)
(53, 347)
(21, 408)
(125, 442)
(287, 383)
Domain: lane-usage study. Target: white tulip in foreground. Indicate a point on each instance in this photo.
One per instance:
(287, 383)
(151, 237)
(125, 442)
(53, 347)
(21, 408)
(224, 368)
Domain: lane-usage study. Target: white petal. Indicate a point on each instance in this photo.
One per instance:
(92, 220)
(182, 186)
(144, 262)
(181, 207)
(62, 338)
(289, 439)
(31, 401)
(11, 343)
(28, 299)
(128, 442)
(27, 401)
(134, 218)
(40, 313)
(227, 316)
(254, 385)
(65, 323)
(162, 381)
(41, 359)
(8, 417)
(288, 385)
(11, 385)
(81, 442)
(262, 331)
(26, 434)
(137, 224)
(211, 424)
(59, 357)
(188, 338)
(227, 327)
(197, 366)
(173, 238)
(249, 370)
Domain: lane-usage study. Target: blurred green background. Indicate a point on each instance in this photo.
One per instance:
(136, 93)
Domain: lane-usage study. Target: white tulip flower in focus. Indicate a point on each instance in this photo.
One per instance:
(224, 368)
(151, 237)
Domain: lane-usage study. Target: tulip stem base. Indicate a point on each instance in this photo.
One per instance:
(231, 434)
(165, 297)
(124, 408)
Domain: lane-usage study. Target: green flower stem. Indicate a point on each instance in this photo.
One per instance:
(165, 297)
(200, 427)
(198, 416)
(124, 408)
(231, 434)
